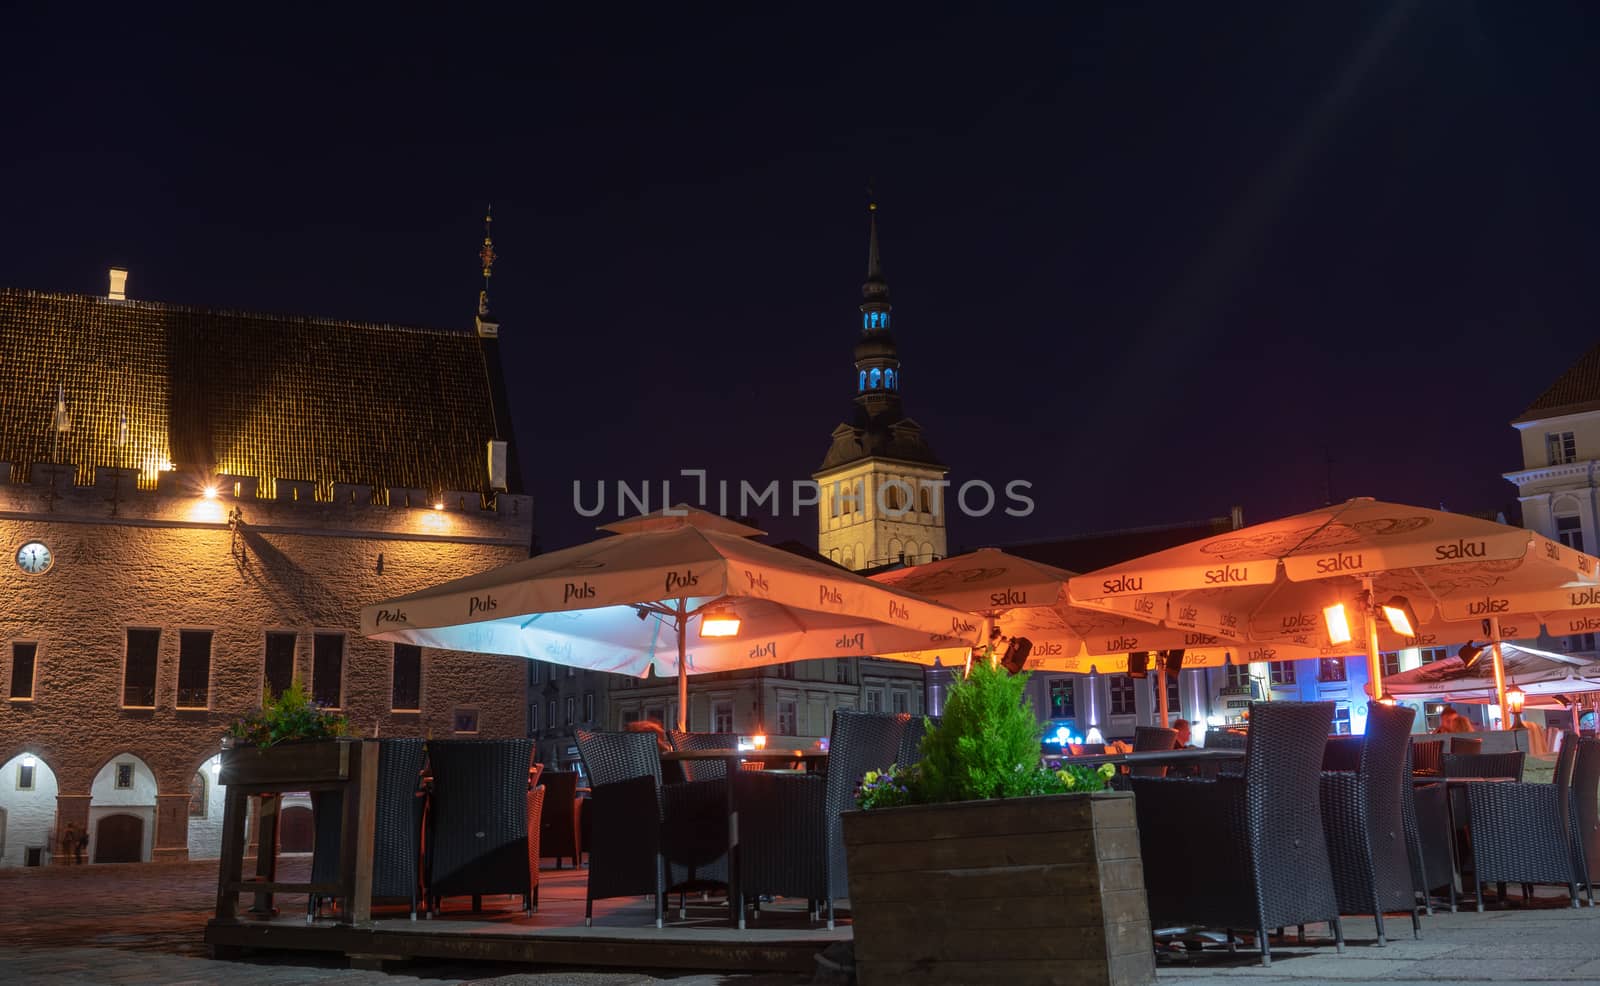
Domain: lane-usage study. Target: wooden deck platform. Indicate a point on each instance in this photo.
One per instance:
(624, 933)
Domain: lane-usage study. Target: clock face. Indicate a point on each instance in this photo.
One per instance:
(34, 558)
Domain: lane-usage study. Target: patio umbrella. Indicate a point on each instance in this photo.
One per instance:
(1026, 605)
(683, 591)
(1287, 580)
(1536, 672)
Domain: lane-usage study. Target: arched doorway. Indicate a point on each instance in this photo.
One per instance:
(119, 839)
(295, 829)
(28, 806)
(126, 787)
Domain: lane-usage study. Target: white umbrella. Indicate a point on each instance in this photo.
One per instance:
(1026, 604)
(629, 602)
(1278, 581)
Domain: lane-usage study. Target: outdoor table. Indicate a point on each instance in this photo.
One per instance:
(1156, 757)
(811, 758)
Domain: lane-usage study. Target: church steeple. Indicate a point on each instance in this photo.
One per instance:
(488, 325)
(877, 360)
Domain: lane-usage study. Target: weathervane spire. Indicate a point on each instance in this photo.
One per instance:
(487, 256)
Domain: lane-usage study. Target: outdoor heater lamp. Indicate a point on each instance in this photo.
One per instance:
(719, 621)
(1338, 623)
(1401, 617)
(1469, 654)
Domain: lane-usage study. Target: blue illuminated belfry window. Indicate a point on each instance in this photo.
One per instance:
(884, 322)
(876, 379)
(866, 320)
(863, 384)
(888, 379)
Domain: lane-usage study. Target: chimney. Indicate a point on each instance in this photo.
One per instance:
(119, 285)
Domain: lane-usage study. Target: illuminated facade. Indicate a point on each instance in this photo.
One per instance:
(215, 494)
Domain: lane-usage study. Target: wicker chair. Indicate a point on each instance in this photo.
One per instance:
(483, 821)
(646, 837)
(1465, 745)
(1362, 818)
(1344, 753)
(704, 770)
(1426, 756)
(1518, 832)
(1247, 851)
(397, 835)
(1584, 813)
(792, 843)
(558, 820)
(1152, 738)
(911, 739)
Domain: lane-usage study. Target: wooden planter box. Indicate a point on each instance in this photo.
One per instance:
(1027, 890)
(311, 761)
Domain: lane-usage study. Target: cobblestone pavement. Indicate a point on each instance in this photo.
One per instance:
(144, 923)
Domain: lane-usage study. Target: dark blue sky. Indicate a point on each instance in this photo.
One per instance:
(1156, 259)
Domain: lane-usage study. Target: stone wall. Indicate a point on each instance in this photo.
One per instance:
(171, 559)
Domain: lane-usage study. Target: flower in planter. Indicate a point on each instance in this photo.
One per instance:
(290, 715)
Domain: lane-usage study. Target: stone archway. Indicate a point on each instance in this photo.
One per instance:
(119, 838)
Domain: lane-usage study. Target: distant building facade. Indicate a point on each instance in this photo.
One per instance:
(194, 505)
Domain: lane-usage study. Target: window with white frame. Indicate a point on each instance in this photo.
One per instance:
(26, 770)
(1280, 673)
(1062, 704)
(1122, 694)
(787, 717)
(571, 708)
(533, 718)
(1236, 676)
(900, 701)
(1341, 718)
(1431, 654)
(588, 707)
(874, 700)
(1562, 446)
(722, 715)
(124, 777)
(1391, 663)
(1331, 669)
(1569, 531)
(1174, 699)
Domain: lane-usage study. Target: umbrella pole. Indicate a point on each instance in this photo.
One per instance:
(1499, 668)
(1374, 660)
(1161, 692)
(683, 668)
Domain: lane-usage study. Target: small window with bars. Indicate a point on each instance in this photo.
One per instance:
(1122, 695)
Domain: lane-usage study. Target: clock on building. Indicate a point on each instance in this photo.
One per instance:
(34, 558)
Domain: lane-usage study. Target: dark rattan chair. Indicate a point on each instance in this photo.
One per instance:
(558, 820)
(1362, 817)
(1465, 745)
(1426, 812)
(704, 770)
(1427, 756)
(481, 818)
(1247, 851)
(791, 840)
(1484, 764)
(1344, 753)
(397, 835)
(1152, 738)
(911, 739)
(1584, 813)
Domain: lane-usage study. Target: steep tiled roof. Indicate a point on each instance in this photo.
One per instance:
(1088, 552)
(269, 396)
(1576, 390)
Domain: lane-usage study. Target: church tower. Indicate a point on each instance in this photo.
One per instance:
(883, 497)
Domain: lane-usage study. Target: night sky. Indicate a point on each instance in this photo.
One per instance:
(1155, 259)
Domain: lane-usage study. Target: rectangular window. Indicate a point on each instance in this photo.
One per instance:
(199, 794)
(572, 705)
(1562, 446)
(278, 672)
(1062, 702)
(22, 663)
(194, 669)
(841, 671)
(722, 715)
(550, 714)
(1580, 641)
(656, 713)
(1391, 663)
(874, 700)
(1569, 531)
(464, 720)
(1431, 654)
(1280, 673)
(1341, 718)
(327, 670)
(900, 701)
(25, 772)
(533, 718)
(124, 777)
(139, 672)
(406, 692)
(1331, 669)
(34, 857)
(786, 717)
(1236, 676)
(588, 707)
(1174, 699)
(533, 672)
(631, 715)
(1122, 692)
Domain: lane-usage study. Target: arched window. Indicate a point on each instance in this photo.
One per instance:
(861, 500)
(833, 498)
(199, 794)
(885, 321)
(896, 549)
(866, 320)
(888, 379)
(875, 379)
(927, 500)
(862, 385)
(894, 500)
